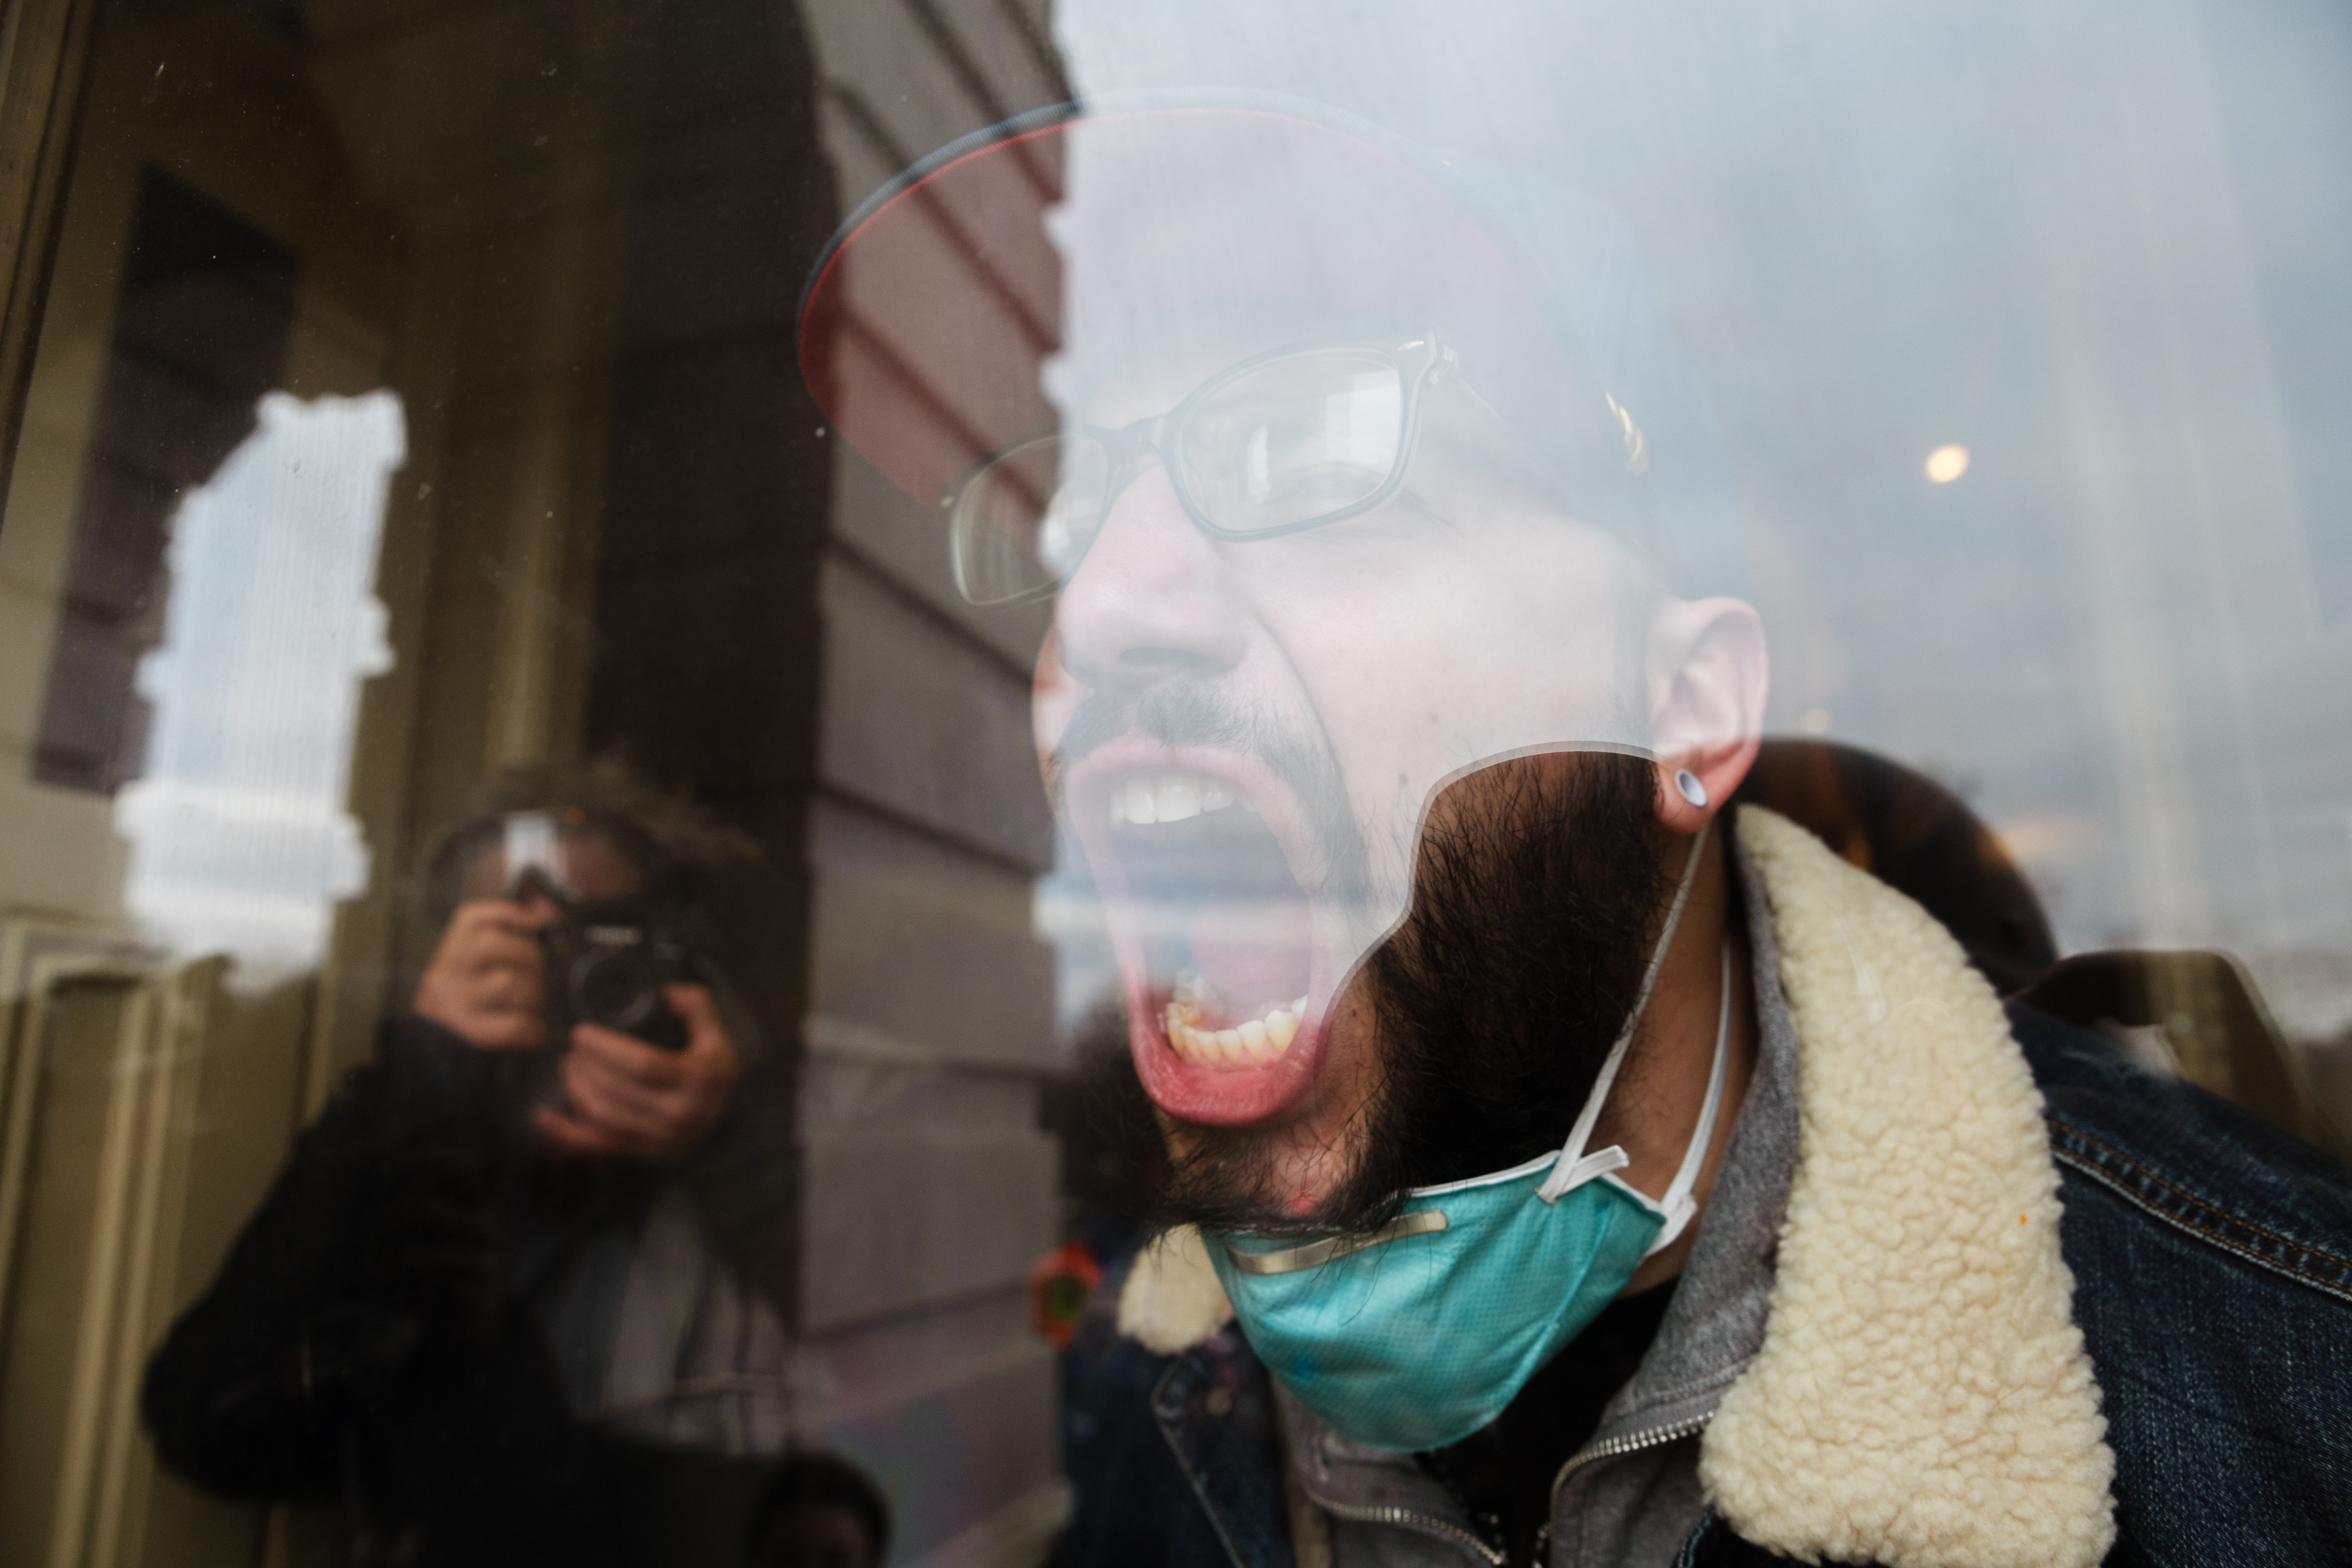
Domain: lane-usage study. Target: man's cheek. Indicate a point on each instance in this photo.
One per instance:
(1054, 697)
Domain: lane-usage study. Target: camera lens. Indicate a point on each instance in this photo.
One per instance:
(617, 987)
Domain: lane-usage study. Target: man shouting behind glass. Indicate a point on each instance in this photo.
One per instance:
(1556, 1168)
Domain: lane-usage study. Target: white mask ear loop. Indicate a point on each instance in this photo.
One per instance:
(1677, 1202)
(1575, 1167)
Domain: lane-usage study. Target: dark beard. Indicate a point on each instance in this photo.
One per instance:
(1538, 888)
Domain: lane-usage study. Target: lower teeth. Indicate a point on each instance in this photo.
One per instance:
(1254, 1043)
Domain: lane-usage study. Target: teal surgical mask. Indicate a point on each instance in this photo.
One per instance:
(1418, 1334)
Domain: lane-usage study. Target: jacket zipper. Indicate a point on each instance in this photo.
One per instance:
(1429, 1524)
(1407, 1519)
(1615, 1447)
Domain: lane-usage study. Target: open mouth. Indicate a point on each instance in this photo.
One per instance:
(1215, 933)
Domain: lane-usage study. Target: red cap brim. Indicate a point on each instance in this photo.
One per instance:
(928, 326)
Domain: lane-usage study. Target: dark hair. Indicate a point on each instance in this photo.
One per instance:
(827, 1481)
(1919, 838)
(679, 847)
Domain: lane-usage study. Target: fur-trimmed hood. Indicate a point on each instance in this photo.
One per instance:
(1922, 1395)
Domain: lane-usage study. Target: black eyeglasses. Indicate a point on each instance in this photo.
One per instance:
(1288, 441)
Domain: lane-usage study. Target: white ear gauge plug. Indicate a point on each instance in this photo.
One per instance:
(1692, 791)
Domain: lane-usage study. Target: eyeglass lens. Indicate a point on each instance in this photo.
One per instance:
(1022, 523)
(1277, 445)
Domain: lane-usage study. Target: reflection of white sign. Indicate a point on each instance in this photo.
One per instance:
(239, 842)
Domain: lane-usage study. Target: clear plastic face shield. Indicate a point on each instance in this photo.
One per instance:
(1346, 540)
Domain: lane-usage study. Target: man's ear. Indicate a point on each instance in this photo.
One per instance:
(1707, 679)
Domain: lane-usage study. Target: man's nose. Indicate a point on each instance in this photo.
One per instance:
(1150, 601)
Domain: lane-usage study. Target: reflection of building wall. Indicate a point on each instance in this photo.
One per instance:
(147, 1103)
(571, 235)
(282, 192)
(199, 334)
(500, 138)
(929, 1186)
(639, 536)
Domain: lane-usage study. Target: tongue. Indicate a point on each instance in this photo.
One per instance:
(1254, 955)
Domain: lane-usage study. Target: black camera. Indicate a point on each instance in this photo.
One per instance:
(611, 971)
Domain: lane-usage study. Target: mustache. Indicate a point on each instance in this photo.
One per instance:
(1175, 713)
(1182, 712)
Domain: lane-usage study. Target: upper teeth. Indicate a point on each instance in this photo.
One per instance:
(1168, 798)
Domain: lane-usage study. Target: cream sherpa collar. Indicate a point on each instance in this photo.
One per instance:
(1922, 1397)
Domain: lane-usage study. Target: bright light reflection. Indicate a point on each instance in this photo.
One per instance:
(1946, 464)
(239, 841)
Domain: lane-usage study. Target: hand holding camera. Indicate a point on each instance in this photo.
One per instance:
(640, 1101)
(488, 980)
(519, 974)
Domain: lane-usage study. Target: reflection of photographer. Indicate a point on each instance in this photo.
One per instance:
(560, 942)
(513, 1293)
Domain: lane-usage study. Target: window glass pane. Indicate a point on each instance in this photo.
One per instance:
(692, 870)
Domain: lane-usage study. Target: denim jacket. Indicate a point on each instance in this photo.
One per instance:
(2186, 1403)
